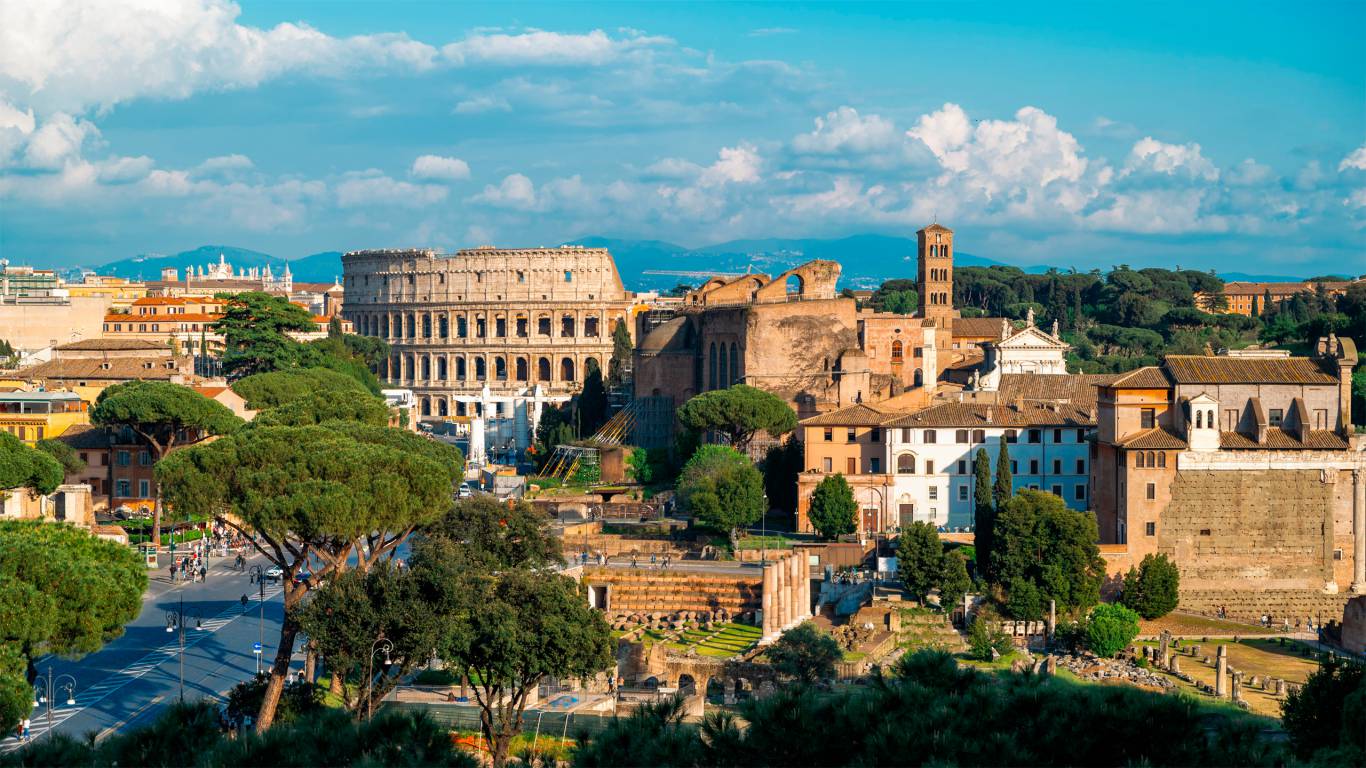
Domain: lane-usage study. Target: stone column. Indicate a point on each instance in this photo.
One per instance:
(766, 600)
(1237, 685)
(806, 583)
(1175, 666)
(1359, 531)
(1221, 672)
(779, 596)
(1052, 619)
(1163, 648)
(789, 586)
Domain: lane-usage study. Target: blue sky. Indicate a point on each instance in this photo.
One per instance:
(1212, 135)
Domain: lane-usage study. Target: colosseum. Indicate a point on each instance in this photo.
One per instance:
(488, 333)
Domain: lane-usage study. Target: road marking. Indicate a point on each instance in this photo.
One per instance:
(100, 691)
(102, 735)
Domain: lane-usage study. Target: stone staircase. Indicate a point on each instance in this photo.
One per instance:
(920, 630)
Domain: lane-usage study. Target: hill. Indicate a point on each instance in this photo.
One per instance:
(317, 267)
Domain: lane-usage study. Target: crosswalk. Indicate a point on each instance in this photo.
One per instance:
(102, 690)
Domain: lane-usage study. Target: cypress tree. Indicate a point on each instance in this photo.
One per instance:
(986, 515)
(1003, 490)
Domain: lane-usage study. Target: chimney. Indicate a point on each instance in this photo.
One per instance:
(988, 416)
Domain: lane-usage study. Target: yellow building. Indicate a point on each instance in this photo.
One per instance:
(40, 415)
(120, 290)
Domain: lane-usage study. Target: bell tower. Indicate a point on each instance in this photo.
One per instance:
(935, 278)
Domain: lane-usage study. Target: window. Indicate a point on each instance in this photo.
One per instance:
(568, 276)
(905, 435)
(1012, 436)
(590, 326)
(1151, 491)
(962, 467)
(123, 488)
(1056, 490)
(1014, 467)
(480, 328)
(829, 434)
(567, 326)
(521, 327)
(961, 436)
(929, 467)
(849, 435)
(124, 459)
(874, 465)
(905, 464)
(500, 327)
(543, 326)
(962, 493)
(1081, 436)
(1057, 437)
(851, 466)
(1138, 458)
(875, 435)
(144, 458)
(144, 489)
(1079, 492)
(444, 326)
(1276, 416)
(896, 352)
(930, 436)
(1036, 436)
(1147, 418)
(462, 327)
(1033, 466)
(934, 492)
(521, 276)
(426, 326)
(934, 513)
(1081, 466)
(979, 436)
(1150, 529)
(825, 464)
(1204, 531)
(1162, 459)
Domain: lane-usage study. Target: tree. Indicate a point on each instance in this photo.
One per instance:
(275, 388)
(985, 638)
(164, 415)
(321, 406)
(25, 467)
(300, 699)
(1110, 629)
(66, 592)
(920, 559)
(506, 631)
(954, 581)
(619, 365)
(309, 493)
(486, 534)
(833, 508)
(254, 327)
(1324, 717)
(64, 454)
(1004, 488)
(1045, 551)
(592, 401)
(781, 465)
(805, 654)
(985, 512)
(1153, 588)
(722, 489)
(738, 413)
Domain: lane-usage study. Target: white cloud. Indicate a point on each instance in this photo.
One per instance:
(944, 130)
(440, 168)
(371, 188)
(516, 191)
(736, 165)
(224, 165)
(844, 130)
(480, 104)
(58, 141)
(123, 170)
(70, 55)
(771, 31)
(1356, 160)
(1153, 156)
(544, 48)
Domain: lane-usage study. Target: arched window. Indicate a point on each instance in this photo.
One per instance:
(426, 368)
(919, 377)
(543, 369)
(462, 327)
(426, 326)
(460, 368)
(905, 464)
(426, 406)
(500, 368)
(480, 369)
(384, 326)
(734, 363)
(934, 250)
(441, 368)
(896, 352)
(1152, 459)
(1138, 458)
(1162, 459)
(724, 376)
(444, 326)
(412, 327)
(711, 366)
(1209, 419)
(409, 370)
(1199, 419)
(522, 369)
(441, 407)
(567, 369)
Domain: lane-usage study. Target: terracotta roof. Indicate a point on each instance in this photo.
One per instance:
(104, 345)
(982, 415)
(978, 327)
(1155, 439)
(858, 415)
(210, 392)
(1148, 377)
(1077, 389)
(1205, 369)
(936, 227)
(119, 369)
(148, 301)
(1277, 289)
(1280, 440)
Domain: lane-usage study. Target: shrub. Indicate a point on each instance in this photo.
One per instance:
(1110, 629)
(1152, 589)
(984, 636)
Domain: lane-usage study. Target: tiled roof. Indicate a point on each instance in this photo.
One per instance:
(1078, 389)
(978, 327)
(119, 369)
(210, 392)
(1277, 289)
(1205, 369)
(936, 227)
(858, 415)
(1155, 439)
(105, 345)
(982, 415)
(1280, 440)
(1148, 377)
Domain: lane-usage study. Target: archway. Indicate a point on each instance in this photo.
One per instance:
(567, 369)
(687, 685)
(794, 285)
(543, 369)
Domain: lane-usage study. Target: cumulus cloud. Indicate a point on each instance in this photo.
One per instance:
(844, 130)
(544, 48)
(1154, 156)
(438, 168)
(372, 188)
(735, 165)
(477, 105)
(515, 191)
(224, 165)
(1356, 160)
(58, 141)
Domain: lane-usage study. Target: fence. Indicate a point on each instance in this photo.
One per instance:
(464, 717)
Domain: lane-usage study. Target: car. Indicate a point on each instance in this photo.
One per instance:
(464, 491)
(275, 573)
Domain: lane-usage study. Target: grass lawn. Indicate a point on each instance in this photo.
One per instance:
(1190, 625)
(723, 641)
(1207, 705)
(765, 542)
(1262, 657)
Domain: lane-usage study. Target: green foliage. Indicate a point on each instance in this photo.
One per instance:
(721, 488)
(984, 509)
(622, 349)
(805, 654)
(160, 411)
(254, 327)
(986, 640)
(64, 454)
(65, 592)
(299, 700)
(738, 413)
(1325, 717)
(275, 388)
(189, 734)
(1001, 491)
(16, 696)
(592, 402)
(25, 467)
(1043, 551)
(1152, 588)
(483, 533)
(898, 295)
(954, 581)
(920, 559)
(781, 465)
(833, 508)
(556, 427)
(6, 351)
(1110, 628)
(322, 406)
(927, 712)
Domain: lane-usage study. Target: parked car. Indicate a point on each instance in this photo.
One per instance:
(275, 573)
(464, 491)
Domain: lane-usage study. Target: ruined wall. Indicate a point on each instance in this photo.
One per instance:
(1249, 530)
(647, 591)
(790, 349)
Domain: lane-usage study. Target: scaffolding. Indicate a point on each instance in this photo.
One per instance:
(568, 459)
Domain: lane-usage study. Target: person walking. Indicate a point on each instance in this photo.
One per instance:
(173, 570)
(26, 726)
(203, 573)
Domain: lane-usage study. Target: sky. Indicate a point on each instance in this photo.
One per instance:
(1227, 136)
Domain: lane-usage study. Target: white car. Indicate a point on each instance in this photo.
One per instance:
(464, 491)
(275, 573)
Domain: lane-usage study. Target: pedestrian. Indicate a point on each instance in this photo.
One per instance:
(652, 560)
(203, 573)
(26, 726)
(173, 569)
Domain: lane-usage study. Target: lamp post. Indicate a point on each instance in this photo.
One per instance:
(379, 645)
(175, 622)
(259, 577)
(45, 689)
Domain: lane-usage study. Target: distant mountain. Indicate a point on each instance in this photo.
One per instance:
(318, 267)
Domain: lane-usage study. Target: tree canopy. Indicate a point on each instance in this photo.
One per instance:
(618, 366)
(275, 388)
(920, 559)
(805, 654)
(1153, 588)
(317, 407)
(64, 454)
(833, 509)
(738, 412)
(254, 327)
(721, 488)
(25, 467)
(1046, 551)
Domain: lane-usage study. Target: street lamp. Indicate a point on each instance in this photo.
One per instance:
(175, 622)
(379, 645)
(45, 690)
(258, 576)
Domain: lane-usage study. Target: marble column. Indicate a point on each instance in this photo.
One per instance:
(1221, 672)
(1359, 531)
(767, 600)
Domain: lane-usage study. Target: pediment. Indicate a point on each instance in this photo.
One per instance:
(1031, 338)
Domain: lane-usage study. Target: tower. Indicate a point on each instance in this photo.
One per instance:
(935, 278)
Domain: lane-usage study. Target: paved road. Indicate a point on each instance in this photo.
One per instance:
(127, 682)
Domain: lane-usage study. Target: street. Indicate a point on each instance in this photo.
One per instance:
(127, 682)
